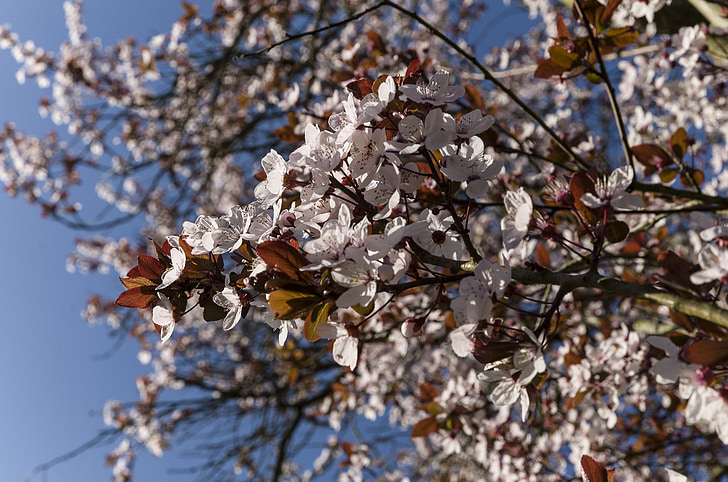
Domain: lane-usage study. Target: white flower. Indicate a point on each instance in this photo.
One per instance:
(460, 340)
(515, 225)
(346, 347)
(435, 235)
(163, 317)
(669, 369)
(436, 92)
(229, 299)
(714, 264)
(361, 279)
(475, 293)
(178, 265)
(611, 191)
(470, 163)
(434, 133)
(276, 169)
(473, 123)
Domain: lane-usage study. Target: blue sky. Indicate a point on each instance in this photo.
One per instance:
(53, 382)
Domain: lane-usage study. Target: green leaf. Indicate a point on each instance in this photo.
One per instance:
(560, 56)
(668, 175)
(592, 77)
(621, 37)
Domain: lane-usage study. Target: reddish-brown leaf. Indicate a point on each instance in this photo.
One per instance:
(652, 156)
(150, 267)
(593, 471)
(412, 68)
(138, 297)
(562, 31)
(616, 231)
(706, 352)
(376, 41)
(547, 68)
(580, 184)
(428, 393)
(425, 427)
(282, 256)
(360, 87)
(472, 95)
(136, 282)
(287, 134)
(609, 11)
(543, 257)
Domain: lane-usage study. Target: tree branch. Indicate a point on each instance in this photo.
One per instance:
(702, 309)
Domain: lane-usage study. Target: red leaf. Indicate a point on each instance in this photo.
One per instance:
(428, 393)
(542, 255)
(547, 68)
(282, 256)
(706, 352)
(150, 267)
(425, 427)
(562, 31)
(609, 11)
(593, 471)
(412, 68)
(653, 157)
(136, 282)
(139, 297)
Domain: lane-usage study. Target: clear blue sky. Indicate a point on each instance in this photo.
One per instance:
(53, 386)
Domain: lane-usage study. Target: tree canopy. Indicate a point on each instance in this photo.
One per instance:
(366, 242)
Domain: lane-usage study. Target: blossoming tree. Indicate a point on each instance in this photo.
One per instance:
(512, 264)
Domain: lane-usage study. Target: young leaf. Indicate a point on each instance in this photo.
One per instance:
(319, 314)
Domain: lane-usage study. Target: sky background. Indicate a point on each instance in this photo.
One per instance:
(55, 379)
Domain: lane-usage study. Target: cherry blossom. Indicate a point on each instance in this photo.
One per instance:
(611, 191)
